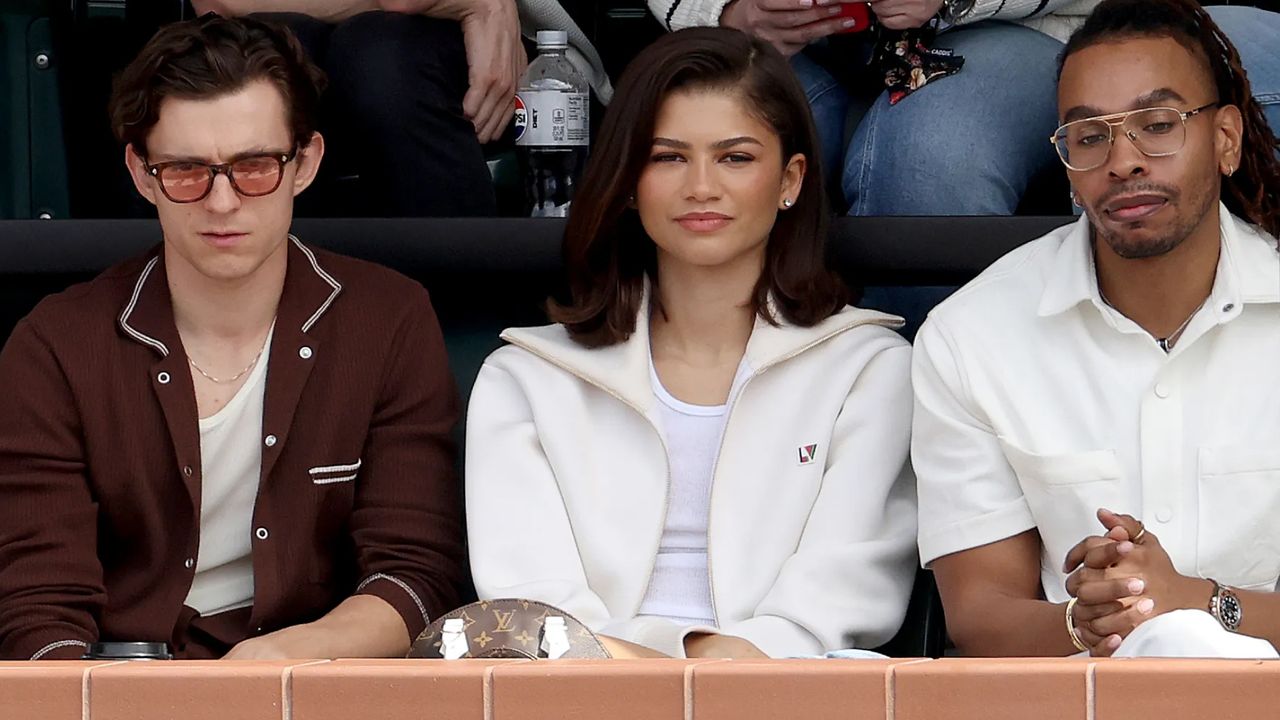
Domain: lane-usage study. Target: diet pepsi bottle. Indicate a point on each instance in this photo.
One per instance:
(552, 127)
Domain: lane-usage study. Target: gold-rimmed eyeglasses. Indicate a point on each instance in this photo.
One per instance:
(1084, 145)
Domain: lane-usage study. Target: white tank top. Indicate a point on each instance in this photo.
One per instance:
(231, 466)
(680, 588)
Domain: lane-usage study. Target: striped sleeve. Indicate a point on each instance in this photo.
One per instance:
(680, 14)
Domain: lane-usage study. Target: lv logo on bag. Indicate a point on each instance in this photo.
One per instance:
(505, 621)
(506, 628)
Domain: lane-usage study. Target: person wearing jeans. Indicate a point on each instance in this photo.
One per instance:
(970, 143)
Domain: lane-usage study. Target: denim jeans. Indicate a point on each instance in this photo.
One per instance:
(969, 144)
(1256, 34)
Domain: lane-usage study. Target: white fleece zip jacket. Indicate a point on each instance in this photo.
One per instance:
(812, 522)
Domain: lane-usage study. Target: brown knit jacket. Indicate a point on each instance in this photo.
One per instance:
(100, 462)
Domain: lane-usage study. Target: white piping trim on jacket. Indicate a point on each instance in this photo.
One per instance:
(331, 481)
(336, 468)
(337, 286)
(55, 645)
(416, 600)
(128, 310)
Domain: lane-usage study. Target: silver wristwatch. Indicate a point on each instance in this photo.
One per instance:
(1224, 606)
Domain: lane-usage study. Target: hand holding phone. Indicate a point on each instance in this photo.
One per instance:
(859, 13)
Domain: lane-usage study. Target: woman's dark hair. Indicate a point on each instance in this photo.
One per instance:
(209, 57)
(1253, 191)
(607, 252)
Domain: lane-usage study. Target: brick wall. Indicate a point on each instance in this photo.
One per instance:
(1040, 689)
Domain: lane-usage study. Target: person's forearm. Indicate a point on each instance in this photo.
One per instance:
(1012, 9)
(625, 650)
(1001, 626)
(362, 626)
(326, 10)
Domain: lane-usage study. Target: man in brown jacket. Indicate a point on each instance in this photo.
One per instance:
(236, 444)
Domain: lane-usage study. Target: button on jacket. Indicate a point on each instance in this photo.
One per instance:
(100, 462)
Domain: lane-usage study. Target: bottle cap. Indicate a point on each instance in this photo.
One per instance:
(553, 39)
(128, 651)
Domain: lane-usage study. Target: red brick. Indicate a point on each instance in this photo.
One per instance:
(993, 689)
(390, 689)
(612, 689)
(188, 690)
(43, 690)
(1177, 689)
(810, 689)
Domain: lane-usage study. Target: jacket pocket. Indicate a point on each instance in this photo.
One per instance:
(1064, 492)
(334, 474)
(1238, 538)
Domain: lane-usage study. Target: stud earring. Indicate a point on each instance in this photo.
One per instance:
(786, 203)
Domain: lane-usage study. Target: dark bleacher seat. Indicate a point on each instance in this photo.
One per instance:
(485, 275)
(619, 29)
(33, 160)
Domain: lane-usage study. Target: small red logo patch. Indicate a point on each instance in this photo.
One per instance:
(808, 453)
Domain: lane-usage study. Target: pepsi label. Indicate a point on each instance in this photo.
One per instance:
(551, 118)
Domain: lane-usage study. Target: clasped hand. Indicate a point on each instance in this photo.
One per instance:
(1120, 584)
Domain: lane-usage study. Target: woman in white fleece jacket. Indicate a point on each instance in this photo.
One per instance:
(707, 456)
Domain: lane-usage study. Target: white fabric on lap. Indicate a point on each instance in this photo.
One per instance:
(1191, 634)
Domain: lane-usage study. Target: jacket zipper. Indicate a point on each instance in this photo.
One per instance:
(715, 465)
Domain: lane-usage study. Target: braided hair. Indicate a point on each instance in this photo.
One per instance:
(1253, 191)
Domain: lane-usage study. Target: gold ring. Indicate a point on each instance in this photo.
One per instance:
(1142, 530)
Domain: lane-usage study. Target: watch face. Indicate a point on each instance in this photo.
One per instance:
(1229, 608)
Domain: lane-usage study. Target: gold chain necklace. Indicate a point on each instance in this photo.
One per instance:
(233, 378)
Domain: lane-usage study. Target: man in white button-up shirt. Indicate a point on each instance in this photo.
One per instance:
(1130, 361)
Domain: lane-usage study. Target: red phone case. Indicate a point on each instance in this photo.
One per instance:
(860, 14)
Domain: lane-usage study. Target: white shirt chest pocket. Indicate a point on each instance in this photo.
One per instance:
(1238, 539)
(1064, 492)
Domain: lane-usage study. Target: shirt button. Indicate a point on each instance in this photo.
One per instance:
(270, 441)
(189, 563)
(1162, 390)
(1164, 515)
(163, 378)
(186, 470)
(305, 353)
(262, 533)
